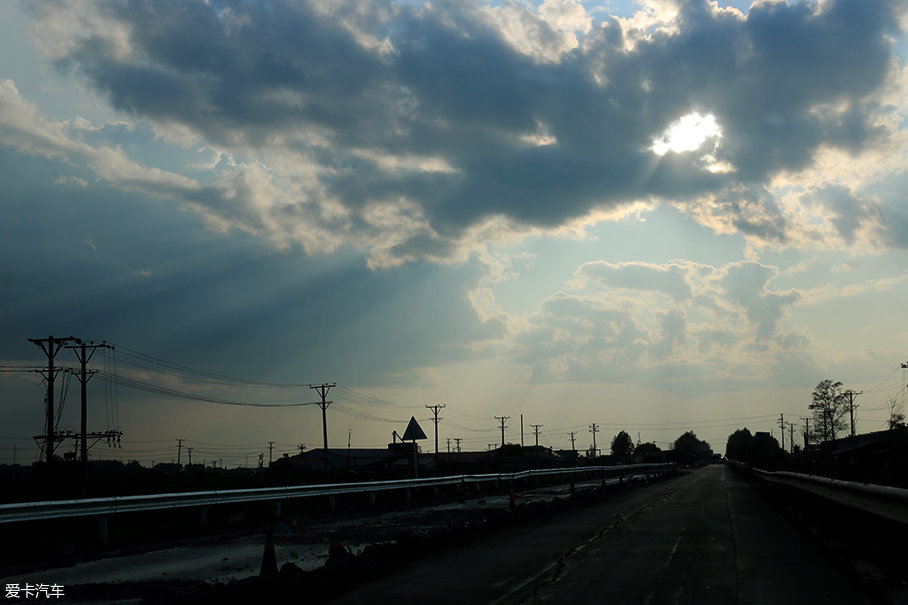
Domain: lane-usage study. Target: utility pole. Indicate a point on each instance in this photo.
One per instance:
(322, 390)
(449, 445)
(573, 449)
(51, 347)
(521, 431)
(189, 451)
(179, 449)
(791, 436)
(536, 428)
(594, 428)
(457, 440)
(435, 419)
(806, 432)
(270, 448)
(782, 426)
(851, 406)
(84, 357)
(501, 419)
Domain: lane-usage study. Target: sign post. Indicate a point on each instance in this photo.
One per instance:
(414, 432)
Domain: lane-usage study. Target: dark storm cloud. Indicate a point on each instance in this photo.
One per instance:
(101, 264)
(447, 85)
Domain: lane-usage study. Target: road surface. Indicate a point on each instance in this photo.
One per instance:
(703, 538)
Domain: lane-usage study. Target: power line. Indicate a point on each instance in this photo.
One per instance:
(179, 368)
(159, 390)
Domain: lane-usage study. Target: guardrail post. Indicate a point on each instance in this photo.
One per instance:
(102, 529)
(371, 498)
(203, 516)
(408, 494)
(435, 491)
(332, 504)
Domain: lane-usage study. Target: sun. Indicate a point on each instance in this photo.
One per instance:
(687, 133)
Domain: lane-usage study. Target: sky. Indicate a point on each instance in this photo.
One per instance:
(653, 216)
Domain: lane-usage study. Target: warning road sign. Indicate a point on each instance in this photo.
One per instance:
(414, 431)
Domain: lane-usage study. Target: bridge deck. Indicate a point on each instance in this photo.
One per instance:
(704, 538)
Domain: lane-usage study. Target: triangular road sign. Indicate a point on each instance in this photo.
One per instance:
(414, 431)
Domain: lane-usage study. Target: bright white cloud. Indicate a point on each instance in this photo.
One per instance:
(687, 133)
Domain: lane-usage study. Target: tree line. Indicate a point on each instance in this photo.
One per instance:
(687, 448)
(832, 409)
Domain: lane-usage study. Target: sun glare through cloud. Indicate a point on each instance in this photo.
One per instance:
(688, 133)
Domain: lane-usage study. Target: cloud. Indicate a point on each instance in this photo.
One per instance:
(465, 113)
(745, 285)
(669, 280)
(847, 213)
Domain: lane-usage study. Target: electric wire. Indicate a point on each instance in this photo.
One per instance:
(159, 390)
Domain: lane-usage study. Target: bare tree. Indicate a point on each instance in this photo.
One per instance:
(829, 409)
(896, 413)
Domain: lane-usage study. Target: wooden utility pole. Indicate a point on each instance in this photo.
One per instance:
(851, 406)
(536, 428)
(501, 419)
(51, 346)
(322, 390)
(435, 419)
(179, 450)
(594, 428)
(782, 426)
(573, 448)
(84, 356)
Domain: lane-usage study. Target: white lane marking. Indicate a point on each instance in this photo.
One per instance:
(650, 596)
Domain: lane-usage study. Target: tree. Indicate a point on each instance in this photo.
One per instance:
(648, 452)
(829, 409)
(622, 447)
(688, 448)
(739, 446)
(896, 414)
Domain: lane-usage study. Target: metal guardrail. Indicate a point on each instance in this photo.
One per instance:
(86, 507)
(881, 500)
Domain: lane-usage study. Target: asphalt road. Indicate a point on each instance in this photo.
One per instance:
(703, 538)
